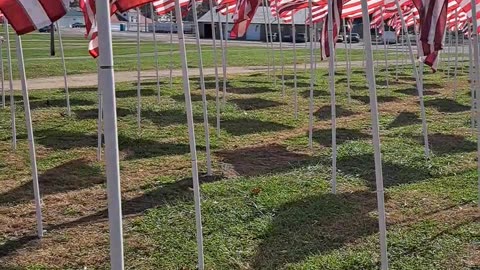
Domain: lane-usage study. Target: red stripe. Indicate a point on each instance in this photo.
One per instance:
(17, 16)
(54, 9)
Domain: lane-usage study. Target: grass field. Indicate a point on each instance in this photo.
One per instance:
(39, 63)
(269, 204)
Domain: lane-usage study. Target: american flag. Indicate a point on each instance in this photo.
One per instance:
(337, 15)
(29, 15)
(226, 6)
(433, 20)
(243, 16)
(163, 7)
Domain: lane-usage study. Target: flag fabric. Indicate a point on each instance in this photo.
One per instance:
(433, 20)
(89, 14)
(26, 16)
(243, 16)
(163, 7)
(226, 6)
(335, 17)
(353, 9)
(125, 5)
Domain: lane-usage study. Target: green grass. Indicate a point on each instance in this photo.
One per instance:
(269, 205)
(39, 63)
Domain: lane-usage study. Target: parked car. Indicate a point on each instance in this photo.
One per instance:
(389, 37)
(355, 38)
(46, 29)
(340, 38)
(78, 25)
(299, 38)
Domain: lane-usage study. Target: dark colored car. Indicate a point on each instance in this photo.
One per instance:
(78, 25)
(45, 29)
(355, 38)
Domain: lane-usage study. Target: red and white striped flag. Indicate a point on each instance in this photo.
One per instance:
(26, 16)
(243, 16)
(433, 20)
(226, 6)
(335, 17)
(163, 7)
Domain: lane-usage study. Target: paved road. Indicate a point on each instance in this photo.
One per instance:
(90, 79)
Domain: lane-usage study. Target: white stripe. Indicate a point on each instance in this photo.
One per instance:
(37, 14)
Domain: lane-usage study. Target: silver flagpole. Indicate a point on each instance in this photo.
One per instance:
(215, 61)
(449, 43)
(202, 86)
(99, 121)
(155, 45)
(306, 44)
(106, 82)
(191, 134)
(312, 81)
(65, 81)
(267, 39)
(385, 51)
(10, 84)
(396, 61)
(376, 138)
(271, 40)
(347, 58)
(139, 84)
(477, 88)
(349, 70)
(418, 81)
(282, 57)
(2, 70)
(224, 64)
(331, 65)
(455, 80)
(31, 142)
(470, 74)
(171, 52)
(295, 90)
(376, 46)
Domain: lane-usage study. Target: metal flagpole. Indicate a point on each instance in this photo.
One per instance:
(470, 73)
(331, 71)
(224, 64)
(202, 86)
(449, 43)
(155, 45)
(376, 45)
(282, 57)
(306, 43)
(312, 81)
(347, 57)
(139, 86)
(477, 88)
(349, 70)
(376, 138)
(31, 142)
(106, 82)
(65, 81)
(171, 51)
(295, 90)
(99, 121)
(267, 40)
(396, 61)
(215, 61)
(418, 82)
(269, 20)
(191, 134)
(455, 80)
(10, 84)
(385, 51)
(2, 70)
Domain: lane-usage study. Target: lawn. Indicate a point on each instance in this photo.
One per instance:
(39, 63)
(269, 205)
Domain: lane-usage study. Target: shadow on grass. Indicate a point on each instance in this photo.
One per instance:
(446, 105)
(405, 119)
(444, 144)
(73, 175)
(359, 87)
(181, 190)
(381, 99)
(316, 93)
(131, 148)
(325, 112)
(362, 166)
(46, 103)
(255, 161)
(255, 103)
(194, 97)
(324, 136)
(315, 225)
(82, 89)
(93, 113)
(414, 92)
(250, 90)
(133, 93)
(244, 126)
